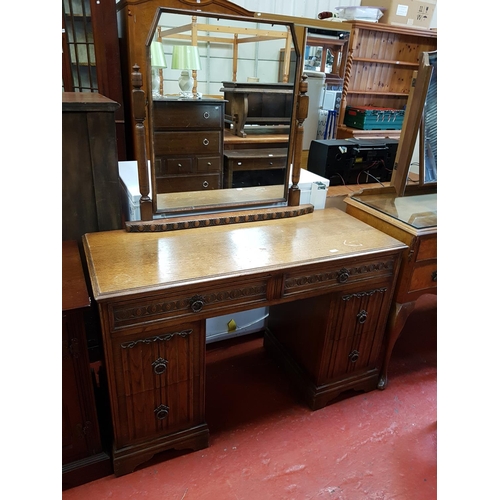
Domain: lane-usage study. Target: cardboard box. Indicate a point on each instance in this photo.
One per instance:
(410, 13)
(313, 189)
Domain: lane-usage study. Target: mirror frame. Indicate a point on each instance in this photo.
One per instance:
(412, 126)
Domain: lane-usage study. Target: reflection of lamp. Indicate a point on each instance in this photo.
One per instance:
(186, 58)
(158, 62)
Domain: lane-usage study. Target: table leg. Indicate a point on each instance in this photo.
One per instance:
(240, 113)
(397, 318)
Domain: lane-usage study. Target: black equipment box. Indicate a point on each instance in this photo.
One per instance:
(353, 161)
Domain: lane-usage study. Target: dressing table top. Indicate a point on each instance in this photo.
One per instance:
(122, 263)
(417, 211)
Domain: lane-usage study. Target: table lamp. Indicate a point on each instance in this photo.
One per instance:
(158, 62)
(186, 58)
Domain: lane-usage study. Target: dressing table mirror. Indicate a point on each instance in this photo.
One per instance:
(247, 109)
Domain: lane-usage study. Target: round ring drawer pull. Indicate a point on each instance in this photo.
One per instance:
(206, 142)
(362, 316)
(343, 275)
(206, 115)
(161, 412)
(354, 356)
(196, 303)
(205, 184)
(159, 366)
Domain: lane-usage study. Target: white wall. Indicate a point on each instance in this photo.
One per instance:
(301, 8)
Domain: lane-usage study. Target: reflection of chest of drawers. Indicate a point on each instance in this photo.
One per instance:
(188, 144)
(261, 166)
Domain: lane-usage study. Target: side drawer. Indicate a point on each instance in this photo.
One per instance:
(206, 142)
(424, 276)
(187, 305)
(427, 248)
(175, 166)
(339, 274)
(208, 164)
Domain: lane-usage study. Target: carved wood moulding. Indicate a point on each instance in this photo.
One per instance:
(221, 219)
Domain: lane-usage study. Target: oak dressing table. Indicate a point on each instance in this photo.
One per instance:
(327, 277)
(412, 219)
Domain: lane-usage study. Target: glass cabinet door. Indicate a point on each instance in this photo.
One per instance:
(79, 60)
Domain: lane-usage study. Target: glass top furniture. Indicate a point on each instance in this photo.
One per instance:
(418, 211)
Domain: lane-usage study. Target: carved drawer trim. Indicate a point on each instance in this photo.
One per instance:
(337, 276)
(147, 310)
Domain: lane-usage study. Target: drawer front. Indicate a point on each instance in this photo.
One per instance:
(188, 304)
(208, 164)
(182, 183)
(159, 382)
(188, 115)
(257, 163)
(175, 166)
(424, 276)
(427, 248)
(335, 274)
(188, 143)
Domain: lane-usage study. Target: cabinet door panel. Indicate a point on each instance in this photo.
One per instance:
(358, 312)
(149, 414)
(155, 361)
(159, 380)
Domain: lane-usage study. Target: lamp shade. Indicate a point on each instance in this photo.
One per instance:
(158, 60)
(186, 57)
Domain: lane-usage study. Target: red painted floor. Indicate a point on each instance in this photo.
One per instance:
(265, 444)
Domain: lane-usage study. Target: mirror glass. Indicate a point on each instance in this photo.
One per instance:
(429, 156)
(221, 139)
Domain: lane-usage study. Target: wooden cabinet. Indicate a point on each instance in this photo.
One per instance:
(343, 346)
(254, 167)
(157, 386)
(379, 70)
(91, 55)
(411, 219)
(83, 459)
(90, 183)
(188, 143)
(327, 278)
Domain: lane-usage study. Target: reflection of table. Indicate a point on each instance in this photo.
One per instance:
(413, 220)
(258, 104)
(246, 160)
(327, 278)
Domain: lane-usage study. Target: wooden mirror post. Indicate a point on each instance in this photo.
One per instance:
(139, 113)
(302, 108)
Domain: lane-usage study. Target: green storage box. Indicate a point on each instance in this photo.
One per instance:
(373, 118)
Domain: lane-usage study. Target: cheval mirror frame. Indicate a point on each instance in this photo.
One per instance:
(413, 127)
(137, 20)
